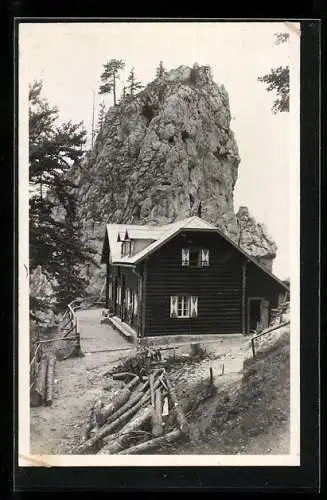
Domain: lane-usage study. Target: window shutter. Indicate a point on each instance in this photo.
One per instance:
(173, 306)
(194, 306)
(205, 257)
(185, 257)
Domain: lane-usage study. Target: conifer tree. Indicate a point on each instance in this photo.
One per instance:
(110, 76)
(160, 71)
(55, 237)
(133, 84)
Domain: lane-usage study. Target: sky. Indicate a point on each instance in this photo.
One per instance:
(69, 58)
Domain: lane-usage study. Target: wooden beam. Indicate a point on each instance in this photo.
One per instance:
(244, 297)
(107, 286)
(143, 304)
(139, 303)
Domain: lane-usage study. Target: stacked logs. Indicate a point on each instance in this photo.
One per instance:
(143, 414)
(43, 388)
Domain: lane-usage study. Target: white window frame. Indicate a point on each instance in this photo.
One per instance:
(183, 306)
(203, 255)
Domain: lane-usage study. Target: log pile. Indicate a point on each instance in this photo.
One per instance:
(141, 415)
(42, 390)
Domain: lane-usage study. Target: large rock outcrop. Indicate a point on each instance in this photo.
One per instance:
(254, 239)
(166, 154)
(163, 152)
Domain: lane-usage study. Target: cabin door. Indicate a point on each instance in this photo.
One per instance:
(264, 314)
(258, 313)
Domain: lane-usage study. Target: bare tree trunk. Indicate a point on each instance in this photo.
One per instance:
(118, 418)
(117, 402)
(152, 443)
(141, 417)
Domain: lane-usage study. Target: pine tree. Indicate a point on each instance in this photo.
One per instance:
(133, 84)
(55, 240)
(110, 76)
(160, 71)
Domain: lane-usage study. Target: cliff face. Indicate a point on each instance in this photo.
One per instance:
(163, 152)
(254, 239)
(166, 154)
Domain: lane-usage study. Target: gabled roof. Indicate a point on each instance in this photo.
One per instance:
(157, 236)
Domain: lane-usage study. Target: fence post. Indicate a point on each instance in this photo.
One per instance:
(78, 351)
(253, 350)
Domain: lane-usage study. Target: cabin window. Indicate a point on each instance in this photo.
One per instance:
(127, 248)
(182, 306)
(195, 257)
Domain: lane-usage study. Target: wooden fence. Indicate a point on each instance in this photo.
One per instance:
(68, 332)
(277, 327)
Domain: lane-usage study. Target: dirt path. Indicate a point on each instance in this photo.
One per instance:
(57, 429)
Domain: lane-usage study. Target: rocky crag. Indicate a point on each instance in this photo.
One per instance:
(165, 154)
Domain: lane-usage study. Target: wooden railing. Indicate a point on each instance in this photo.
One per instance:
(69, 331)
(265, 333)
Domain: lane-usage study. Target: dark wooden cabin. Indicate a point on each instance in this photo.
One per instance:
(185, 278)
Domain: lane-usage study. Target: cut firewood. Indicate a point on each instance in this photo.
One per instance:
(139, 387)
(50, 379)
(182, 422)
(133, 383)
(118, 419)
(156, 424)
(123, 375)
(119, 398)
(152, 443)
(158, 404)
(145, 385)
(140, 418)
(151, 380)
(98, 413)
(39, 390)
